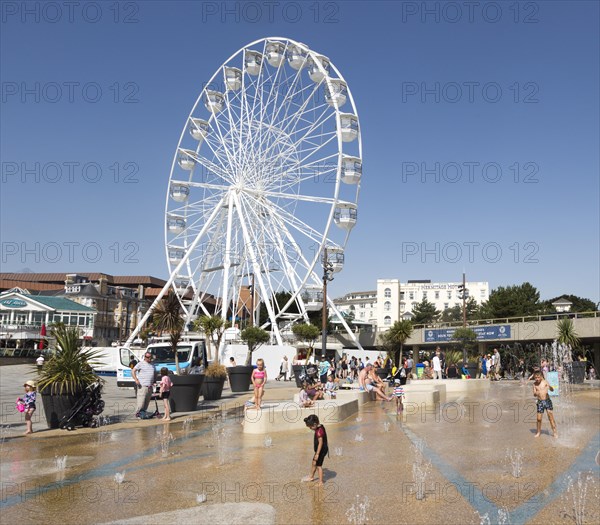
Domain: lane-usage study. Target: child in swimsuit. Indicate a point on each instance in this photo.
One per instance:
(398, 394)
(320, 446)
(259, 378)
(540, 391)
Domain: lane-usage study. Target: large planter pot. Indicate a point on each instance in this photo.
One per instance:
(297, 370)
(576, 371)
(58, 405)
(239, 378)
(382, 373)
(212, 388)
(185, 392)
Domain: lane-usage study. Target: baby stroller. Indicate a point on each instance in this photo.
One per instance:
(156, 396)
(399, 374)
(310, 374)
(86, 407)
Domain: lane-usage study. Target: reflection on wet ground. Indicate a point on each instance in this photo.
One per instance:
(444, 466)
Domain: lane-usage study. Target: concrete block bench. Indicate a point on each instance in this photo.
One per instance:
(347, 395)
(289, 415)
(419, 397)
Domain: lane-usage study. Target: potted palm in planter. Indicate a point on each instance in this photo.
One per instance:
(65, 375)
(308, 333)
(239, 376)
(214, 379)
(186, 387)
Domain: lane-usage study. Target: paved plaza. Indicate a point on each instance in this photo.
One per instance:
(451, 464)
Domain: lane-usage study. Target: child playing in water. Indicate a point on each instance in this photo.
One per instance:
(398, 394)
(540, 391)
(320, 446)
(165, 391)
(29, 401)
(259, 378)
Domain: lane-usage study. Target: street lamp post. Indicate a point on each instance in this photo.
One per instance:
(327, 276)
(252, 300)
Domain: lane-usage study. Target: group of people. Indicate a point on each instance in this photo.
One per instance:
(143, 373)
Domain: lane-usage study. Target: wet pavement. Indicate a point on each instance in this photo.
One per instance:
(201, 468)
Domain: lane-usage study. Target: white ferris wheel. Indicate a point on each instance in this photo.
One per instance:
(264, 182)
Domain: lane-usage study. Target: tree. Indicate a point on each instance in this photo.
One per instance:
(308, 333)
(566, 333)
(167, 318)
(254, 337)
(425, 312)
(279, 300)
(450, 315)
(213, 327)
(580, 304)
(466, 339)
(394, 338)
(513, 301)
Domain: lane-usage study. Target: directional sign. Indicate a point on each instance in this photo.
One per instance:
(442, 335)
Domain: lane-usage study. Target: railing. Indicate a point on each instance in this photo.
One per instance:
(509, 320)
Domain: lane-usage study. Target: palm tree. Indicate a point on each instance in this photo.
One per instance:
(567, 334)
(69, 370)
(396, 336)
(214, 327)
(167, 318)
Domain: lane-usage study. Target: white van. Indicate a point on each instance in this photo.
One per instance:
(109, 359)
(162, 356)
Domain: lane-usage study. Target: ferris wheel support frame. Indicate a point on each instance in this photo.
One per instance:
(169, 282)
(257, 273)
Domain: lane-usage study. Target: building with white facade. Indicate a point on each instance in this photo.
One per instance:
(23, 315)
(394, 300)
(361, 306)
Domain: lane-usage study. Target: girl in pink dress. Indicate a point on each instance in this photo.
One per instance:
(165, 391)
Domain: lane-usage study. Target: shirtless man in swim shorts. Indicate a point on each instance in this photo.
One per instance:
(540, 391)
(367, 383)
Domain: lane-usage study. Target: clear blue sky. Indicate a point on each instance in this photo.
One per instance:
(544, 57)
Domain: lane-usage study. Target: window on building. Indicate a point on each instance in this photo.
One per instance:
(401, 295)
(446, 306)
(424, 294)
(402, 306)
(482, 294)
(437, 295)
(414, 305)
(387, 306)
(362, 314)
(387, 292)
(411, 295)
(387, 320)
(449, 294)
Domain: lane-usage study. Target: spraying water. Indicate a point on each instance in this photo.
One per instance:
(164, 439)
(514, 458)
(60, 462)
(357, 513)
(576, 494)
